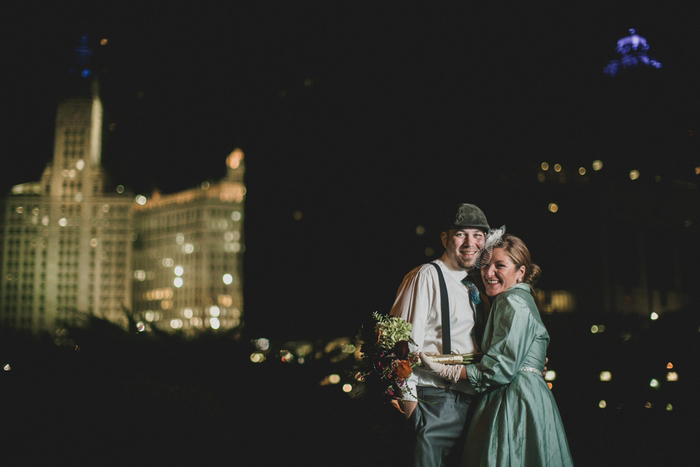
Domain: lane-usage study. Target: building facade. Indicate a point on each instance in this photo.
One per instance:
(188, 255)
(69, 251)
(65, 246)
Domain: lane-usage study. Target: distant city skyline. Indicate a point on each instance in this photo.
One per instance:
(70, 249)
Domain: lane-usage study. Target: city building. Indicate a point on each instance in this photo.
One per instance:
(69, 251)
(188, 255)
(65, 246)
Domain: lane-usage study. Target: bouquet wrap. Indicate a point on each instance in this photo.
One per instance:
(455, 359)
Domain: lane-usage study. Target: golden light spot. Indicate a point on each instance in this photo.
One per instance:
(234, 159)
(597, 165)
(545, 166)
(257, 357)
(553, 207)
(557, 167)
(225, 300)
(582, 171)
(634, 174)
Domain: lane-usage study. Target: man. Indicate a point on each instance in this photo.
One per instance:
(436, 407)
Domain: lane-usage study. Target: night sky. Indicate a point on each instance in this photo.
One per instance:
(368, 118)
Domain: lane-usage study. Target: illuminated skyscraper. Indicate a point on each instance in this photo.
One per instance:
(65, 247)
(188, 255)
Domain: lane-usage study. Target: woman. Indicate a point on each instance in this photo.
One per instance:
(516, 422)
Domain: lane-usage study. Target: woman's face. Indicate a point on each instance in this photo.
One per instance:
(500, 273)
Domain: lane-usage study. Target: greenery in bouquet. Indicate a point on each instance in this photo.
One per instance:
(386, 362)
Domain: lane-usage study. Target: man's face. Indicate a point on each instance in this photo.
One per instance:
(462, 246)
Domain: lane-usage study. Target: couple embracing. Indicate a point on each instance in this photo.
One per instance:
(478, 298)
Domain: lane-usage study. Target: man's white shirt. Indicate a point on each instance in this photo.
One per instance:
(418, 302)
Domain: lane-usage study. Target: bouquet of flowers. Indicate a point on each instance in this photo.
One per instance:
(386, 361)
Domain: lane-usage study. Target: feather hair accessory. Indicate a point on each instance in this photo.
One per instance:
(493, 239)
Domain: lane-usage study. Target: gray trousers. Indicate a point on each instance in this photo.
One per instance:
(440, 421)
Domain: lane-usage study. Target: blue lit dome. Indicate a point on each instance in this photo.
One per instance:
(633, 53)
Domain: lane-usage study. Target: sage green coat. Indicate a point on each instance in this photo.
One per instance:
(516, 422)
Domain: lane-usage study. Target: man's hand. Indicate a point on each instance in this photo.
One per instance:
(408, 408)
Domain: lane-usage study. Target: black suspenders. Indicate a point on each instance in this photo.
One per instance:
(445, 304)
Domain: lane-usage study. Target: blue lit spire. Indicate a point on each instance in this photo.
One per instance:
(633, 53)
(81, 66)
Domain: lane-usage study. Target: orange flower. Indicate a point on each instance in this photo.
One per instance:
(403, 369)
